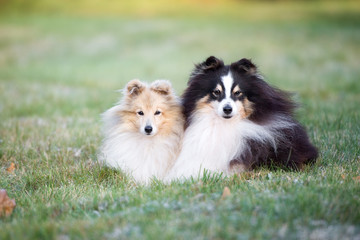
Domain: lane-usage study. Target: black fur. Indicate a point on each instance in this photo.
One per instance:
(293, 149)
(268, 100)
(202, 82)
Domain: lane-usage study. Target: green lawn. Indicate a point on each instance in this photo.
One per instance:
(59, 69)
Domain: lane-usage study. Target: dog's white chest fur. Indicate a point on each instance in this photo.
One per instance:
(211, 143)
(143, 157)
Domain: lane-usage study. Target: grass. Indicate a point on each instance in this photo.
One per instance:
(59, 69)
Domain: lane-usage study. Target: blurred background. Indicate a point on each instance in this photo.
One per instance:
(67, 58)
(61, 63)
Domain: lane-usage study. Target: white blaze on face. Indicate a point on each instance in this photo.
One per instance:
(228, 82)
(227, 102)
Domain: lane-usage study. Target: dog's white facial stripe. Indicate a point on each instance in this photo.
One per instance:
(228, 82)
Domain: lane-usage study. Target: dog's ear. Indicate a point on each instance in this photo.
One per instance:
(162, 87)
(245, 66)
(134, 87)
(211, 63)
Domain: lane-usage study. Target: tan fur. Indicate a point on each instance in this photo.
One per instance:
(219, 87)
(134, 87)
(236, 88)
(203, 106)
(128, 146)
(246, 108)
(150, 99)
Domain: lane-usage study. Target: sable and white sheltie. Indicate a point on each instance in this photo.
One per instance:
(235, 121)
(143, 131)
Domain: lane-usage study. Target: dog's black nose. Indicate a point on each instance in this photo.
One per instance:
(148, 129)
(227, 109)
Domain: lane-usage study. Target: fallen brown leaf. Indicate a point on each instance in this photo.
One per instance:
(7, 205)
(343, 176)
(357, 178)
(225, 193)
(11, 168)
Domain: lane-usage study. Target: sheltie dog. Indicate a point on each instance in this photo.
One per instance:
(143, 131)
(235, 121)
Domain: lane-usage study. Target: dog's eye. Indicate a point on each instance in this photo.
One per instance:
(141, 113)
(237, 93)
(157, 112)
(216, 92)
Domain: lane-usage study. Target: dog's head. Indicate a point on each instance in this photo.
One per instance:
(235, 91)
(148, 108)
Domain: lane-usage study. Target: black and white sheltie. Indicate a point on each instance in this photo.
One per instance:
(235, 121)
